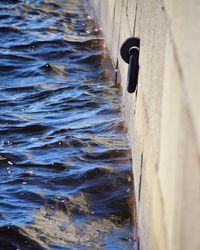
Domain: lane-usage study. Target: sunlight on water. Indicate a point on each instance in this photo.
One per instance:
(65, 163)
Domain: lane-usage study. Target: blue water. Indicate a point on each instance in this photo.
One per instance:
(64, 157)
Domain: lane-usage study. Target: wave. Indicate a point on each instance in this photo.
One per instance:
(65, 163)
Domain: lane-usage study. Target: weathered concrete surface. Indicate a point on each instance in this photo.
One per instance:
(163, 117)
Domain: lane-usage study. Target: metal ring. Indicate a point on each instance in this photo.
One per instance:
(133, 47)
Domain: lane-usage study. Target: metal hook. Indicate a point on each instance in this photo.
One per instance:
(130, 54)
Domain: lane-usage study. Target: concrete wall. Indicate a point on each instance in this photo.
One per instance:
(163, 117)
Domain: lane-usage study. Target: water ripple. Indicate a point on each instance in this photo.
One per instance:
(64, 158)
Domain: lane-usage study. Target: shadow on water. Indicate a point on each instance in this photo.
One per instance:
(65, 162)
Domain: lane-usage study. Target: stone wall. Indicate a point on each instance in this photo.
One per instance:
(163, 116)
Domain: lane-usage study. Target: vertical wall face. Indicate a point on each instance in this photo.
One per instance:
(163, 118)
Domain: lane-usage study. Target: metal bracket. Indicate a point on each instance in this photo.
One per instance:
(130, 54)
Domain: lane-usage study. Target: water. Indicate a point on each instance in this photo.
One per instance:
(64, 159)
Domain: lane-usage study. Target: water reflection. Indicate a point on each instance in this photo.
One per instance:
(64, 157)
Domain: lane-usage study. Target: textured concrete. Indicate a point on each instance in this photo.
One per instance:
(163, 117)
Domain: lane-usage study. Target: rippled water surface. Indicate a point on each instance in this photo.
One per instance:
(64, 157)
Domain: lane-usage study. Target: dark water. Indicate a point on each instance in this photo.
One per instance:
(64, 157)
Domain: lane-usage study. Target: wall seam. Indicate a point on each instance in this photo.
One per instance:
(180, 71)
(136, 9)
